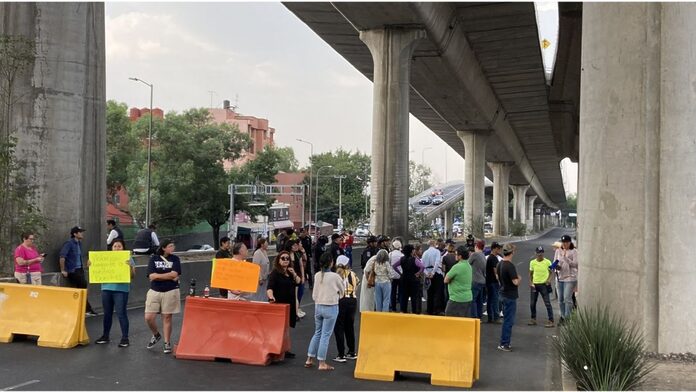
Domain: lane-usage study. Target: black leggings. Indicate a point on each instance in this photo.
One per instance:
(411, 289)
(77, 280)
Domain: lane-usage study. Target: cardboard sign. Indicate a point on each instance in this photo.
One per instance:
(235, 275)
(110, 267)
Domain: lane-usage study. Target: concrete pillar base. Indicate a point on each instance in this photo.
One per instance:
(474, 179)
(530, 213)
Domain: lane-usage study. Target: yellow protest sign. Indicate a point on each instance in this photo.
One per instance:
(235, 275)
(110, 267)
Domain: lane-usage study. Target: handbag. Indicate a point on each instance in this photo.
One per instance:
(371, 279)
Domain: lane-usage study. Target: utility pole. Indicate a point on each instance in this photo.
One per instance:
(340, 197)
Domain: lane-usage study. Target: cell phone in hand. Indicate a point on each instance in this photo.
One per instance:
(44, 254)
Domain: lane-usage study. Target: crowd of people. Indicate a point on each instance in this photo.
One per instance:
(465, 281)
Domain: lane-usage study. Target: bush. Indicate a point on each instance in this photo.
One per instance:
(602, 352)
(518, 228)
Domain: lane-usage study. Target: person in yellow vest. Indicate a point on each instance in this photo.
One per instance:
(540, 283)
(344, 330)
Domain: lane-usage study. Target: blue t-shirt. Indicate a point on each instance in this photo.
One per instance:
(118, 286)
(72, 253)
(159, 265)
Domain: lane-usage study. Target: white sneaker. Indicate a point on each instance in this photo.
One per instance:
(301, 313)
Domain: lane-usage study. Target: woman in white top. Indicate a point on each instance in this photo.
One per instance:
(567, 257)
(367, 294)
(261, 259)
(382, 269)
(328, 289)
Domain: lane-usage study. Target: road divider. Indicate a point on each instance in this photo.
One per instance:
(447, 348)
(55, 314)
(254, 333)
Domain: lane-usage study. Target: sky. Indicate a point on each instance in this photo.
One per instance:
(263, 58)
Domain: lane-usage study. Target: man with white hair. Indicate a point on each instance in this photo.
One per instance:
(432, 261)
(394, 256)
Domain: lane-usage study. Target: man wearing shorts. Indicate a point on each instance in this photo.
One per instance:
(163, 270)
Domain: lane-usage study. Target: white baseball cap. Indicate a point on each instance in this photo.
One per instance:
(342, 260)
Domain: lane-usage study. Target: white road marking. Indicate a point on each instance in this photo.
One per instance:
(24, 384)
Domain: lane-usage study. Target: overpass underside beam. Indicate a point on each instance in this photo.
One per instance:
(391, 50)
(637, 160)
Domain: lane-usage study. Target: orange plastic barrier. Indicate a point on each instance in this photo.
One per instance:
(55, 314)
(253, 333)
(447, 348)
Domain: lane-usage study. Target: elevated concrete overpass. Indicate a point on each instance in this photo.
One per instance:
(471, 72)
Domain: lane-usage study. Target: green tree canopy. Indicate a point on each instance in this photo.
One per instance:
(420, 178)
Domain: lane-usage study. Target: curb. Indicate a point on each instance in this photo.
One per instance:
(568, 382)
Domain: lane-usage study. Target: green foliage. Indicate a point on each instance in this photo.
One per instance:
(602, 352)
(518, 228)
(18, 210)
(287, 163)
(356, 167)
(418, 226)
(122, 145)
(420, 178)
(572, 202)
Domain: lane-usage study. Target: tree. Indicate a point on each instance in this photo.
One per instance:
(18, 210)
(572, 202)
(288, 163)
(419, 177)
(122, 146)
(356, 167)
(189, 183)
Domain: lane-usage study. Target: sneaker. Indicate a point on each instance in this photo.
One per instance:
(301, 313)
(91, 313)
(505, 348)
(102, 340)
(153, 340)
(549, 324)
(289, 354)
(124, 342)
(352, 356)
(167, 347)
(498, 321)
(532, 322)
(340, 359)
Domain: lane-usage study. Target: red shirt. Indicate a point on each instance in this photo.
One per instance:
(348, 241)
(26, 254)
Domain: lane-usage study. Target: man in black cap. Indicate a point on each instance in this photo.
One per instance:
(509, 280)
(71, 263)
(335, 247)
(540, 283)
(370, 251)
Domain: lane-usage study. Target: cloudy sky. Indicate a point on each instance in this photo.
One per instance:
(261, 55)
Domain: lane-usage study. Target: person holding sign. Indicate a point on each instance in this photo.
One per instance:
(163, 270)
(281, 287)
(115, 296)
(239, 253)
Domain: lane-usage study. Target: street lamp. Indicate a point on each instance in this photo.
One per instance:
(316, 201)
(311, 154)
(149, 151)
(340, 199)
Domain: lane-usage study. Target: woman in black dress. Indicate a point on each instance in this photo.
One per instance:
(281, 287)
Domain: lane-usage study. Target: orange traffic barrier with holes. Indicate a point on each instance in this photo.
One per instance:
(447, 348)
(253, 333)
(55, 314)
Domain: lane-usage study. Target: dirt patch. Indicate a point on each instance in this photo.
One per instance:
(671, 375)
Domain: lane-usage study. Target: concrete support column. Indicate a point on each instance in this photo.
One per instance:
(519, 197)
(391, 50)
(637, 159)
(474, 178)
(449, 217)
(501, 181)
(537, 221)
(530, 213)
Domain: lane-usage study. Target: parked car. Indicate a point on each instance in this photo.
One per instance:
(200, 248)
(425, 200)
(438, 200)
(362, 230)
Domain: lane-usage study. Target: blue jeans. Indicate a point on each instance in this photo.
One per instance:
(300, 292)
(509, 311)
(565, 297)
(492, 304)
(115, 300)
(477, 289)
(382, 296)
(324, 321)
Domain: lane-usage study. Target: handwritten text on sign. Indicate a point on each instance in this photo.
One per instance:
(110, 267)
(235, 275)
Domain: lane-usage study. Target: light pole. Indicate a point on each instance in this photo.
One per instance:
(311, 154)
(340, 199)
(149, 151)
(316, 201)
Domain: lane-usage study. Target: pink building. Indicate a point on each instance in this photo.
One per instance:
(257, 128)
(294, 202)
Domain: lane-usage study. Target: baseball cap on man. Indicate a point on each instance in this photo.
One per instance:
(496, 245)
(566, 238)
(371, 239)
(76, 229)
(508, 249)
(334, 236)
(540, 249)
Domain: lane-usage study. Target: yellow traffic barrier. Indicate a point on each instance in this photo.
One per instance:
(55, 314)
(447, 348)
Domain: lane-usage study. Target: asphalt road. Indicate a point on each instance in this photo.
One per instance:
(448, 192)
(25, 366)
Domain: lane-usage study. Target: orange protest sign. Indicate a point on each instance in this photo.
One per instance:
(235, 275)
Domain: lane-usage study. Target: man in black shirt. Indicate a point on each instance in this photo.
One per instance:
(370, 251)
(493, 284)
(509, 280)
(224, 253)
(335, 248)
